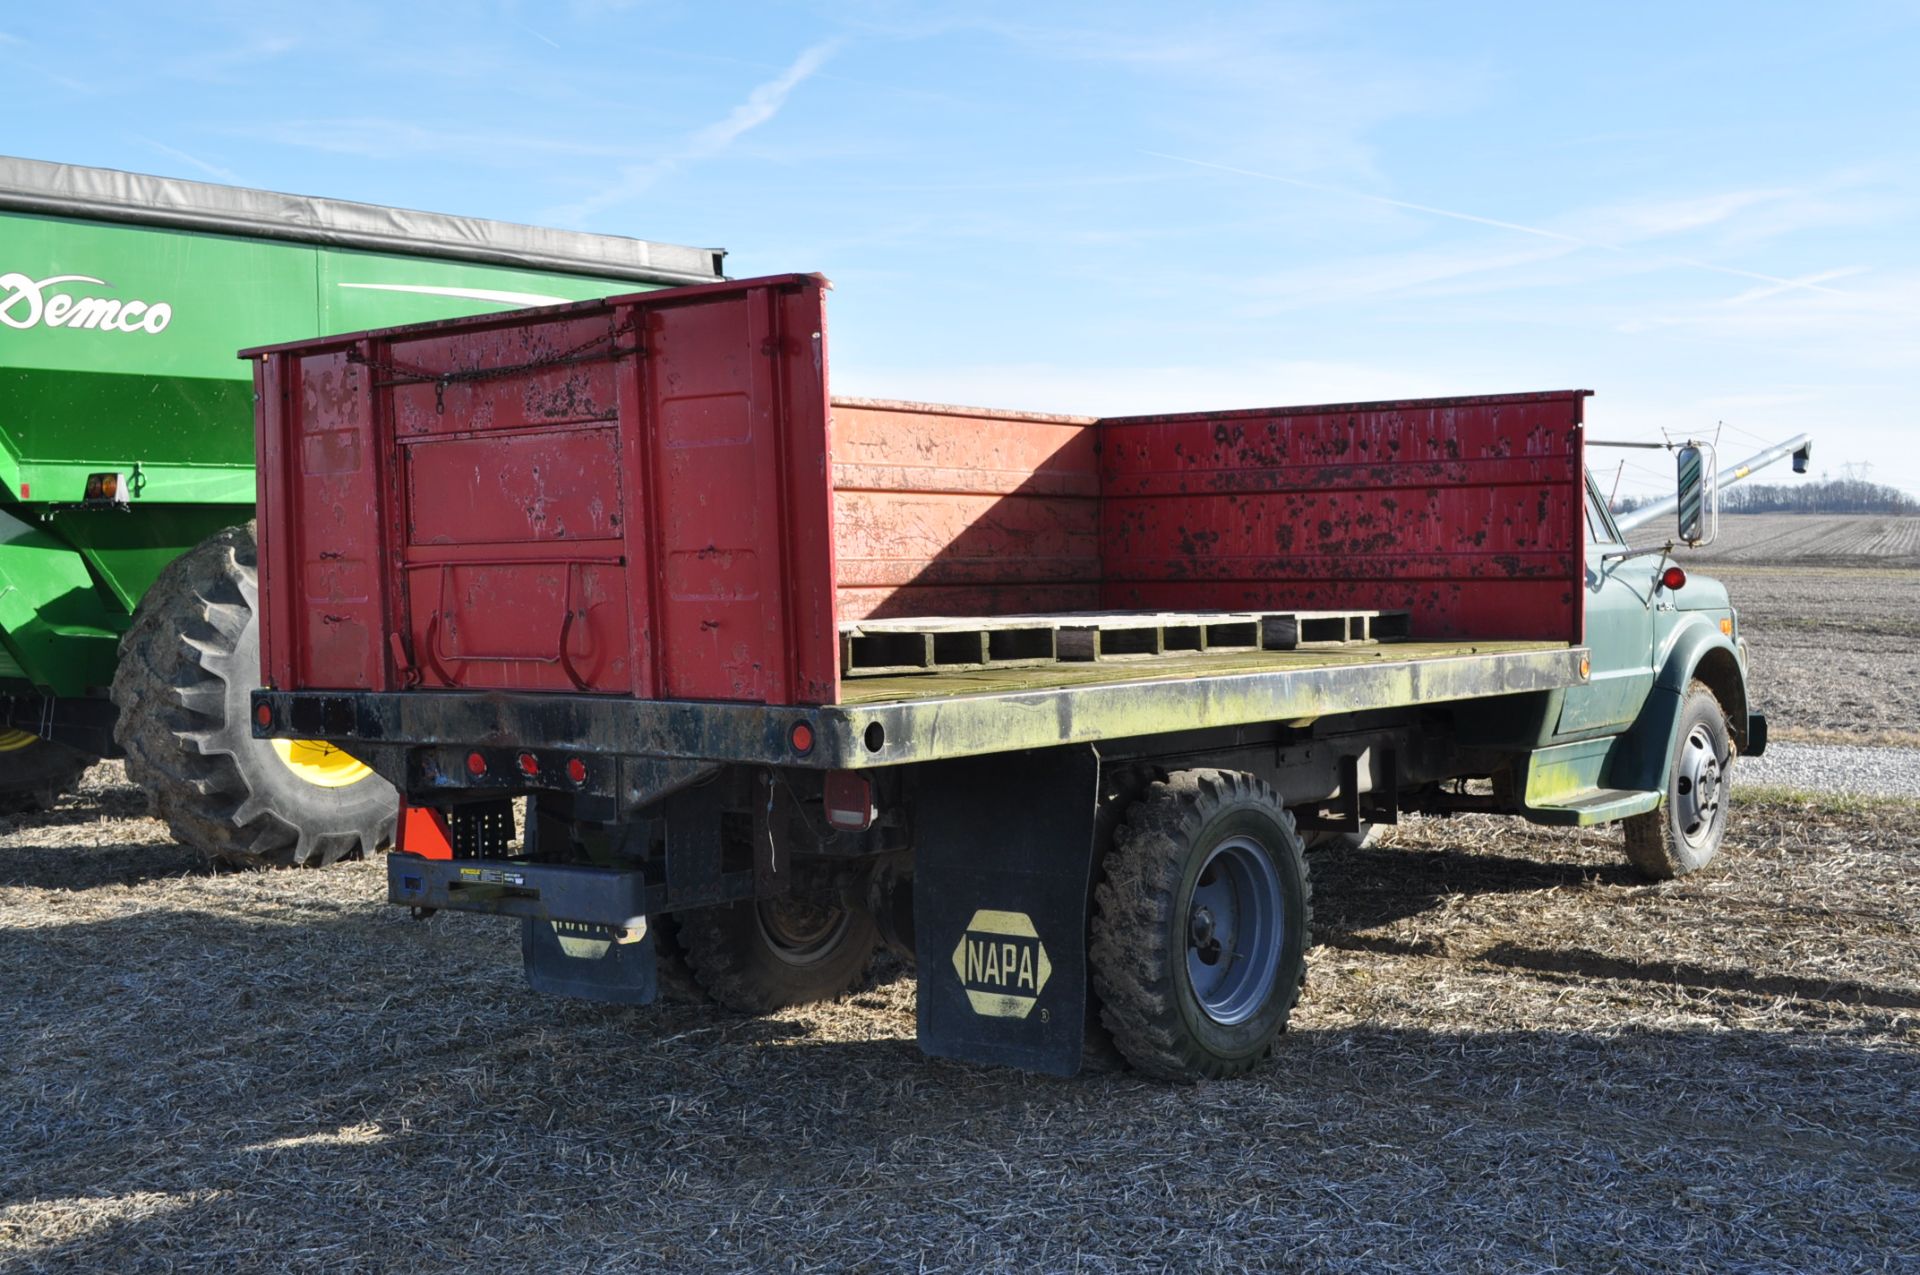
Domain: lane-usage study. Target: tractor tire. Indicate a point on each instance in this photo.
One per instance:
(34, 772)
(187, 665)
(1684, 834)
(1200, 927)
(757, 956)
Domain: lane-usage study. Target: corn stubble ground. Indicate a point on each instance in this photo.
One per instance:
(1512, 1055)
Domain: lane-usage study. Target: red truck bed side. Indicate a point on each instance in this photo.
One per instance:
(650, 496)
(627, 497)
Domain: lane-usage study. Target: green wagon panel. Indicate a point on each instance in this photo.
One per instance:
(123, 301)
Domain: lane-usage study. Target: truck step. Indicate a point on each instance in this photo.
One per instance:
(1592, 806)
(870, 648)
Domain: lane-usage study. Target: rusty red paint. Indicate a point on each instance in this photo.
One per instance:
(1466, 511)
(957, 511)
(619, 497)
(653, 496)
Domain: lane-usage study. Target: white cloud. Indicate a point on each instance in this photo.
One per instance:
(1135, 389)
(215, 64)
(392, 138)
(761, 105)
(192, 161)
(1620, 228)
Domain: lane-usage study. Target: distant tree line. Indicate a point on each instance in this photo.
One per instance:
(1825, 496)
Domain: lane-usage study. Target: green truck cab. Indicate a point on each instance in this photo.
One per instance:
(1639, 742)
(127, 468)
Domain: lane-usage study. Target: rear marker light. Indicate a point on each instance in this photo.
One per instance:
(801, 737)
(1672, 578)
(577, 770)
(476, 764)
(106, 489)
(263, 713)
(529, 764)
(849, 800)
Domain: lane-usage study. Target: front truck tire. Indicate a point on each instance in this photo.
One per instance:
(1684, 834)
(1200, 926)
(187, 666)
(34, 772)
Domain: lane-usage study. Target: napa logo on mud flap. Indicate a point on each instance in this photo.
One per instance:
(26, 302)
(1002, 964)
(587, 942)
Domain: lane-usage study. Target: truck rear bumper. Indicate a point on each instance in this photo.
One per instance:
(546, 892)
(841, 737)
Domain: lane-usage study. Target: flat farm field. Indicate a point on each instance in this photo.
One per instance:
(1513, 1055)
(1830, 607)
(1856, 540)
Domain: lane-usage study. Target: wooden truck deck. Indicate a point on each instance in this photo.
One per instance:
(1172, 666)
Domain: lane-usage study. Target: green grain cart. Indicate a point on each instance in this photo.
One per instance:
(127, 561)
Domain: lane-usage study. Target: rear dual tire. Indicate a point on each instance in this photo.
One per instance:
(1201, 926)
(761, 955)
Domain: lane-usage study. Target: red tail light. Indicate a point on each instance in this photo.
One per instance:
(476, 764)
(849, 800)
(529, 764)
(576, 770)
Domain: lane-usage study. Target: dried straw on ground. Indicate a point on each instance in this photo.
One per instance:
(1512, 1056)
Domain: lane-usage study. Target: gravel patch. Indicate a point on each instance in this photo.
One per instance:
(1851, 770)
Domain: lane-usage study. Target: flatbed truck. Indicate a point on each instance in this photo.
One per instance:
(1047, 704)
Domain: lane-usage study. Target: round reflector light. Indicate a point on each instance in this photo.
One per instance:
(576, 770)
(529, 764)
(1672, 578)
(476, 764)
(801, 737)
(263, 713)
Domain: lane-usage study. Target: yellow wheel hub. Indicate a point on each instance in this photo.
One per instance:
(320, 763)
(12, 741)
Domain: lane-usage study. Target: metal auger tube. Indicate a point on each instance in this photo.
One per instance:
(1800, 447)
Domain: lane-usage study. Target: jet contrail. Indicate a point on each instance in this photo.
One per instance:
(1537, 231)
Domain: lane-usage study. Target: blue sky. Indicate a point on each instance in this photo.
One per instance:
(1704, 212)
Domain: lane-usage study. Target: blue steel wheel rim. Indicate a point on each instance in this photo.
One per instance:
(1235, 928)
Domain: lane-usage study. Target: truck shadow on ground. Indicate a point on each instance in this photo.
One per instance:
(1377, 885)
(1586, 966)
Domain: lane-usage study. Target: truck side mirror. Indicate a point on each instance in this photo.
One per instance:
(1693, 494)
(1801, 457)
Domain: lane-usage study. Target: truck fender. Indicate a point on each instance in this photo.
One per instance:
(1698, 651)
(53, 622)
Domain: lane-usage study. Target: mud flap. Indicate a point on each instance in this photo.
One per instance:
(570, 958)
(1003, 856)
